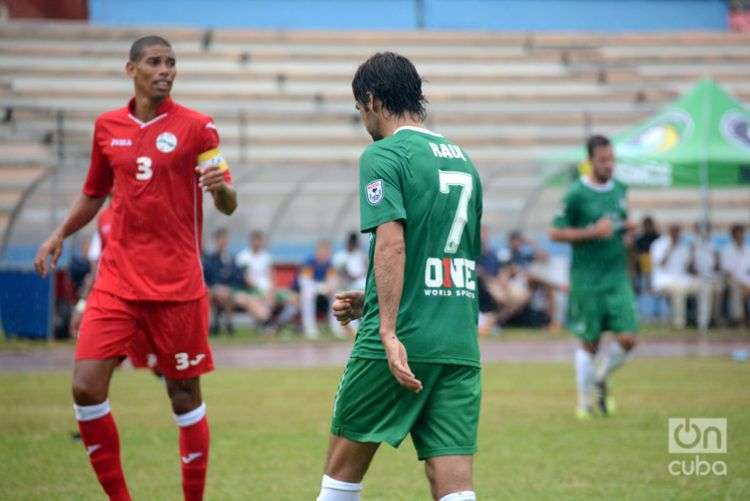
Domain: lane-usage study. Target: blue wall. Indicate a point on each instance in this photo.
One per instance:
(506, 15)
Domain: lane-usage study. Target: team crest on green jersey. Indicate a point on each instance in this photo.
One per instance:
(375, 192)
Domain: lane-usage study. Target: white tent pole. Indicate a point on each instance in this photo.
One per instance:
(705, 120)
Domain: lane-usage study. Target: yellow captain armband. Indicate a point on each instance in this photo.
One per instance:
(212, 158)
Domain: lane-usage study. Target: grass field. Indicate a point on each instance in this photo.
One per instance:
(269, 434)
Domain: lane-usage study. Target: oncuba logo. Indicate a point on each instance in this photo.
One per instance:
(450, 277)
(693, 436)
(661, 134)
(735, 127)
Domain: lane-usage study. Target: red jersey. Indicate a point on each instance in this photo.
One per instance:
(154, 247)
(104, 226)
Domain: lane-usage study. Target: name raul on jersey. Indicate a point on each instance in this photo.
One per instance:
(447, 151)
(450, 277)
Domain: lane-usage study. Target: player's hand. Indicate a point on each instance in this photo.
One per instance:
(398, 363)
(348, 306)
(210, 178)
(603, 228)
(52, 248)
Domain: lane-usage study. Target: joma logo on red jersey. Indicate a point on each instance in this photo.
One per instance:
(450, 273)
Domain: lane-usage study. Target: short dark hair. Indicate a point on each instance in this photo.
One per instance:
(136, 50)
(394, 80)
(596, 141)
(352, 239)
(737, 228)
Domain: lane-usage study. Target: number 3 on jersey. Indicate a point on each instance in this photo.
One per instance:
(144, 169)
(450, 178)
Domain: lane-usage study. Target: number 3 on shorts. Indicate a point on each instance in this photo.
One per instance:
(450, 178)
(182, 360)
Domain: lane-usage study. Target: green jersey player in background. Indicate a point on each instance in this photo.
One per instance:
(414, 368)
(594, 220)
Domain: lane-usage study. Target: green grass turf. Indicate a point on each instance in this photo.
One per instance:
(270, 427)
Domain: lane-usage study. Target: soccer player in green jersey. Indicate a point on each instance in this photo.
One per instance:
(414, 367)
(594, 220)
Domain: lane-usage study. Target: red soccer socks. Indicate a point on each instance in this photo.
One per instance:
(194, 441)
(99, 436)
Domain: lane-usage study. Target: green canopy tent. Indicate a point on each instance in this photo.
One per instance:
(701, 140)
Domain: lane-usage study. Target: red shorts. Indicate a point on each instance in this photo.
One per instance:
(177, 331)
(141, 353)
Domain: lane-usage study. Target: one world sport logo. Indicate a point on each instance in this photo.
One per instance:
(451, 277)
(693, 437)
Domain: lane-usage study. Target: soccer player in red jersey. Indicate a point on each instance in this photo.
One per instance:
(159, 156)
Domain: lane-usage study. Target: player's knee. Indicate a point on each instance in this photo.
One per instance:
(590, 346)
(184, 395)
(628, 342)
(88, 391)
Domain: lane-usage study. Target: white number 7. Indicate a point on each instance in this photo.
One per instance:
(450, 178)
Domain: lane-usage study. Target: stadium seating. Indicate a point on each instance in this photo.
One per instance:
(283, 105)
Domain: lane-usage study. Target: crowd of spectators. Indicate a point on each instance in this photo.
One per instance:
(514, 286)
(678, 278)
(247, 283)
(688, 278)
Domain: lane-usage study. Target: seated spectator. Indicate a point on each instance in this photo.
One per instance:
(643, 242)
(673, 276)
(351, 270)
(735, 263)
(222, 276)
(351, 264)
(705, 260)
(317, 285)
(255, 294)
(488, 287)
(526, 281)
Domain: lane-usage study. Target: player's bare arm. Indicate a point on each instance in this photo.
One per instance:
(389, 263)
(84, 210)
(348, 306)
(211, 179)
(600, 230)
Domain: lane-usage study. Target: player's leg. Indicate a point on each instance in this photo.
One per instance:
(107, 328)
(369, 408)
(445, 434)
(451, 478)
(623, 322)
(190, 416)
(346, 465)
(585, 317)
(179, 333)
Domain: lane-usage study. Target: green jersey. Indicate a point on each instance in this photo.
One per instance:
(429, 184)
(600, 264)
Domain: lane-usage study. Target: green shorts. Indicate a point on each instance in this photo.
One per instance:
(593, 312)
(370, 406)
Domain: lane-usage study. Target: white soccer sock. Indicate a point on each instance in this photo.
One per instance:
(584, 377)
(460, 496)
(91, 412)
(192, 417)
(615, 358)
(336, 490)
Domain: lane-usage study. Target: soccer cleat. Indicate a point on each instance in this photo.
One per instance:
(584, 413)
(604, 400)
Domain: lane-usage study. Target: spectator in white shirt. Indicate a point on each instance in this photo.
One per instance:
(671, 276)
(256, 297)
(351, 264)
(705, 258)
(735, 262)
